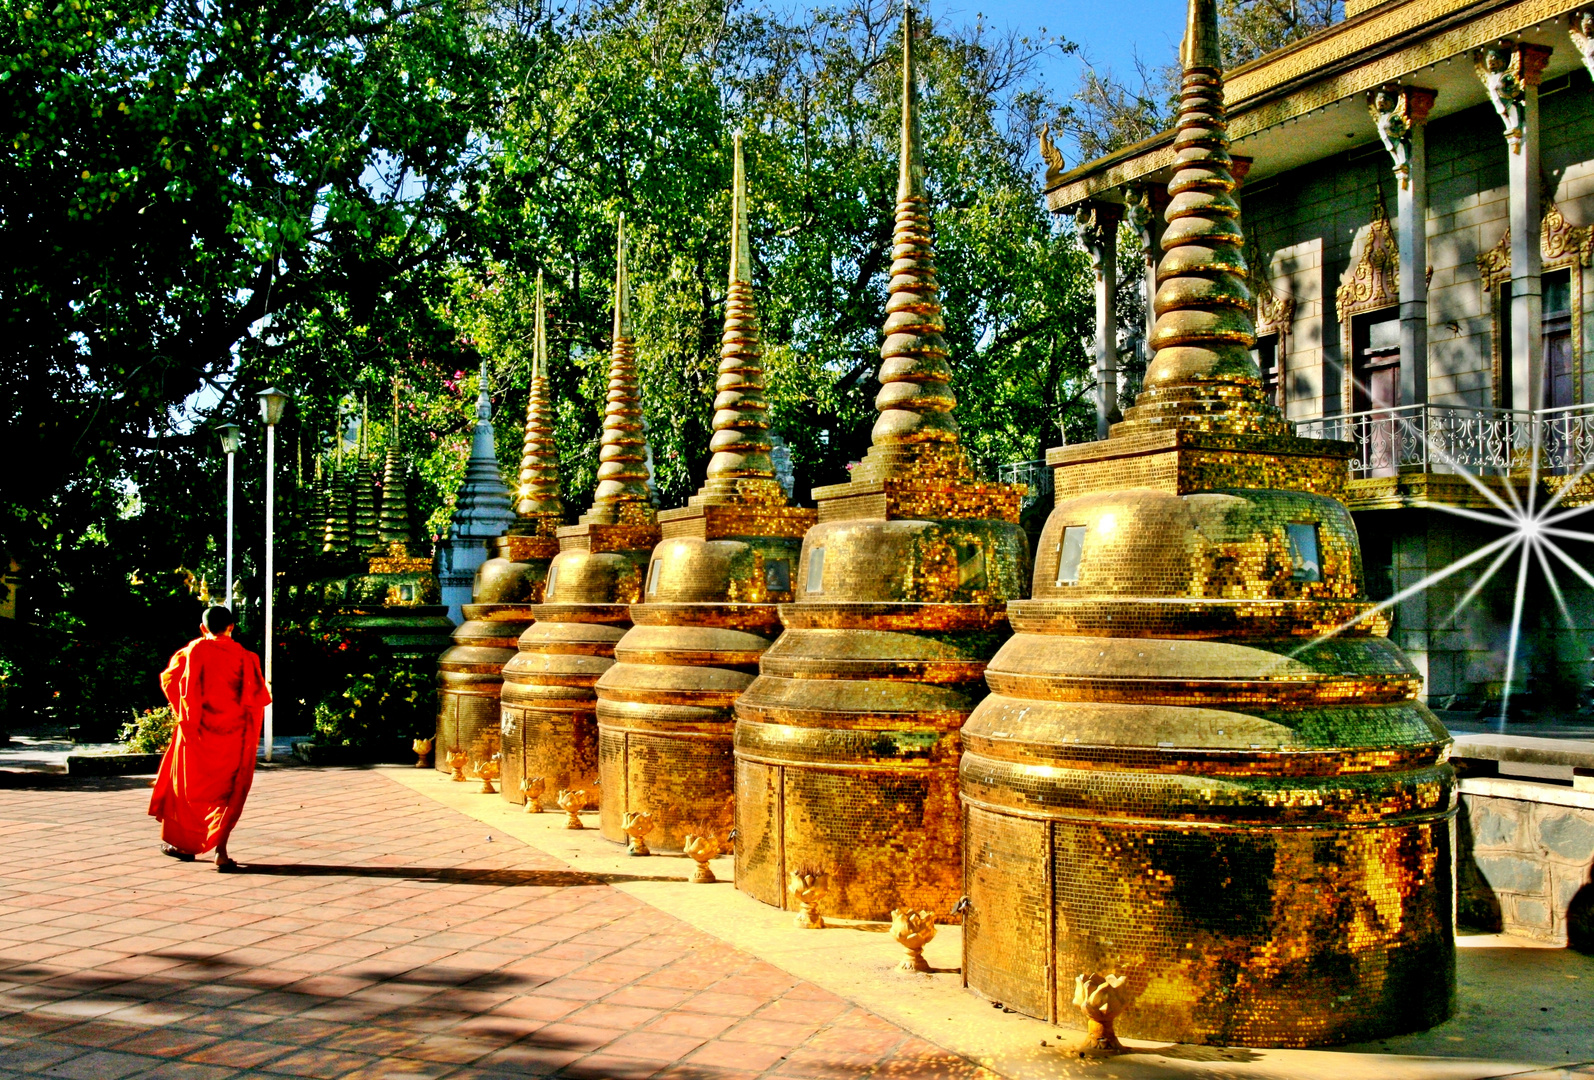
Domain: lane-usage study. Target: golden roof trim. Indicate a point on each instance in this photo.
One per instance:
(1334, 64)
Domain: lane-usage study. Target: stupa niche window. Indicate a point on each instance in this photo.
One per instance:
(816, 571)
(777, 575)
(653, 576)
(1266, 356)
(971, 566)
(407, 593)
(1302, 539)
(553, 575)
(1070, 551)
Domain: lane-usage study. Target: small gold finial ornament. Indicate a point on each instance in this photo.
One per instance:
(533, 788)
(702, 848)
(1102, 999)
(457, 760)
(637, 825)
(487, 769)
(913, 930)
(808, 887)
(572, 801)
(422, 748)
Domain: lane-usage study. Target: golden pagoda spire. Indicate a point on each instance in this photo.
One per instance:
(537, 490)
(741, 468)
(623, 448)
(915, 400)
(1202, 375)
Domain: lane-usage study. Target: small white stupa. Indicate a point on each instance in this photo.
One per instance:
(482, 512)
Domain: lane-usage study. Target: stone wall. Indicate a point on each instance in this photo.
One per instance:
(1525, 856)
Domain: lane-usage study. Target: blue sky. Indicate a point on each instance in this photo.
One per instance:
(1109, 32)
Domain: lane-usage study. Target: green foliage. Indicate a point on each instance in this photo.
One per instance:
(395, 699)
(202, 199)
(150, 732)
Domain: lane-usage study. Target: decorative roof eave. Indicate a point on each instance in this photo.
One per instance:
(1341, 62)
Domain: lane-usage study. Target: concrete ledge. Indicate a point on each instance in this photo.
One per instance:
(1505, 787)
(1524, 748)
(112, 764)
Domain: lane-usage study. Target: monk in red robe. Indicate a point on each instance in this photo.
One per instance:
(218, 696)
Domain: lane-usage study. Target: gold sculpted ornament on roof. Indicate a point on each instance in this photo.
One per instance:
(1051, 155)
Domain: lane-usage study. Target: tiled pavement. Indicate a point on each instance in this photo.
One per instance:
(378, 935)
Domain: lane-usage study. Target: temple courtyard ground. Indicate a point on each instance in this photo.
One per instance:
(395, 924)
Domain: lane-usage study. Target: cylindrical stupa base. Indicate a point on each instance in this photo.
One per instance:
(470, 677)
(665, 717)
(847, 751)
(1244, 936)
(549, 699)
(1257, 833)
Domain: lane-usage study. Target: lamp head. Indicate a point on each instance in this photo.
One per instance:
(230, 440)
(272, 404)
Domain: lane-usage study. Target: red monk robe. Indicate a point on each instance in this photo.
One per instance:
(218, 696)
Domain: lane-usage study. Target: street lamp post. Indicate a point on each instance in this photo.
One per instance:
(272, 404)
(229, 446)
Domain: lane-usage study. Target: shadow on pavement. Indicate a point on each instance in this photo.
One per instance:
(449, 875)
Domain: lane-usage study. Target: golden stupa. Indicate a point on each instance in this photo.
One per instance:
(847, 743)
(665, 715)
(1202, 765)
(506, 586)
(549, 699)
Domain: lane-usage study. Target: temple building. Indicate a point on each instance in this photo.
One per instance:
(847, 743)
(1418, 193)
(549, 697)
(1202, 764)
(708, 611)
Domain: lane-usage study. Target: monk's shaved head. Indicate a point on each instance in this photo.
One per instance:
(218, 620)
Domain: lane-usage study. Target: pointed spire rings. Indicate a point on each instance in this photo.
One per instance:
(622, 454)
(537, 499)
(915, 400)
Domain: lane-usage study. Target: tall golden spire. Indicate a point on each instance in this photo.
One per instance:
(741, 467)
(915, 400)
(537, 490)
(1203, 376)
(622, 454)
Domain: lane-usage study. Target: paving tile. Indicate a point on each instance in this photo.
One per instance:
(101, 1065)
(121, 964)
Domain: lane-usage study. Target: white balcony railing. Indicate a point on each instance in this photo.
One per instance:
(1460, 439)
(1424, 438)
(1034, 473)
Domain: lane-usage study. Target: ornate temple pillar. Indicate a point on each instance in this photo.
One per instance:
(1510, 71)
(1141, 215)
(1401, 113)
(1098, 232)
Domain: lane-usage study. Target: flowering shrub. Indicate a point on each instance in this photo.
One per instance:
(381, 703)
(150, 732)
